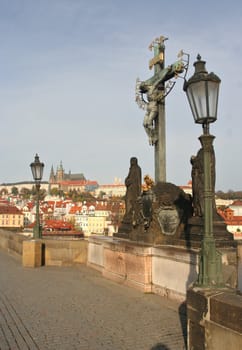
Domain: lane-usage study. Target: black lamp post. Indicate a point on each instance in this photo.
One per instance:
(202, 91)
(37, 170)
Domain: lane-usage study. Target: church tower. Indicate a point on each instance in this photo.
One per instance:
(60, 173)
(52, 176)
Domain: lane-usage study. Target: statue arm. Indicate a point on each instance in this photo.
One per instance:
(164, 75)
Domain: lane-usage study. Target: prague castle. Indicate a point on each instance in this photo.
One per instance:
(68, 181)
(60, 175)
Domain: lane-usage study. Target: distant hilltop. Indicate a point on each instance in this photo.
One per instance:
(70, 182)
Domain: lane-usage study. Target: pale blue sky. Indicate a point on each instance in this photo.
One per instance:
(67, 85)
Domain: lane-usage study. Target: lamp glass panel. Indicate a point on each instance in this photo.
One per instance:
(213, 91)
(200, 101)
(191, 102)
(37, 170)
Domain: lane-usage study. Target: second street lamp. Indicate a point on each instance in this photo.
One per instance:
(37, 170)
(202, 91)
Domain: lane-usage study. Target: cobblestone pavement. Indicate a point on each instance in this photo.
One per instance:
(65, 308)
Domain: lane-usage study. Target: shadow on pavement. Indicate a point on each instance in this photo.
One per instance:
(183, 321)
(160, 346)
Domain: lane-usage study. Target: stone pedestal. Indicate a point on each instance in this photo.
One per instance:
(214, 319)
(164, 270)
(193, 234)
(32, 253)
(129, 264)
(240, 266)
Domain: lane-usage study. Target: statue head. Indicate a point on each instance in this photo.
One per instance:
(148, 183)
(133, 161)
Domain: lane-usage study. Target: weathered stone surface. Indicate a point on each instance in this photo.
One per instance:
(11, 241)
(65, 252)
(218, 337)
(214, 319)
(129, 263)
(197, 308)
(95, 256)
(173, 270)
(193, 234)
(32, 253)
(226, 310)
(160, 215)
(196, 336)
(240, 267)
(197, 305)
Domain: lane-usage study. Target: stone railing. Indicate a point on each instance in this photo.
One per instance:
(12, 242)
(214, 319)
(54, 252)
(164, 270)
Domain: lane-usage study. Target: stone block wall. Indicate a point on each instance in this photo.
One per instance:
(214, 319)
(128, 263)
(240, 266)
(12, 242)
(32, 253)
(65, 252)
(173, 270)
(95, 255)
(54, 252)
(164, 270)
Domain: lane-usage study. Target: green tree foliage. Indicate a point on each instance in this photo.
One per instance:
(3, 192)
(42, 193)
(101, 194)
(234, 195)
(25, 193)
(77, 196)
(55, 191)
(14, 191)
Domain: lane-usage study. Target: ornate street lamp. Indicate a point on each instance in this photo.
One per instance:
(202, 91)
(37, 170)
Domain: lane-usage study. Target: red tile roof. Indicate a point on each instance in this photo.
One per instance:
(237, 203)
(75, 209)
(57, 225)
(78, 182)
(10, 209)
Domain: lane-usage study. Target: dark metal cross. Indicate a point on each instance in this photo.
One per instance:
(156, 91)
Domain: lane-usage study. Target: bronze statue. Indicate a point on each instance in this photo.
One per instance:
(148, 183)
(198, 181)
(154, 97)
(197, 185)
(133, 184)
(155, 89)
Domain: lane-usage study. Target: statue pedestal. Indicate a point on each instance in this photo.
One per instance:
(214, 318)
(122, 261)
(162, 269)
(193, 235)
(32, 253)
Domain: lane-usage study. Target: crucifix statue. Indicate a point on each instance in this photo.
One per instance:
(156, 90)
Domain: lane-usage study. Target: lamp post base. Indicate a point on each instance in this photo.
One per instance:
(37, 232)
(32, 253)
(210, 266)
